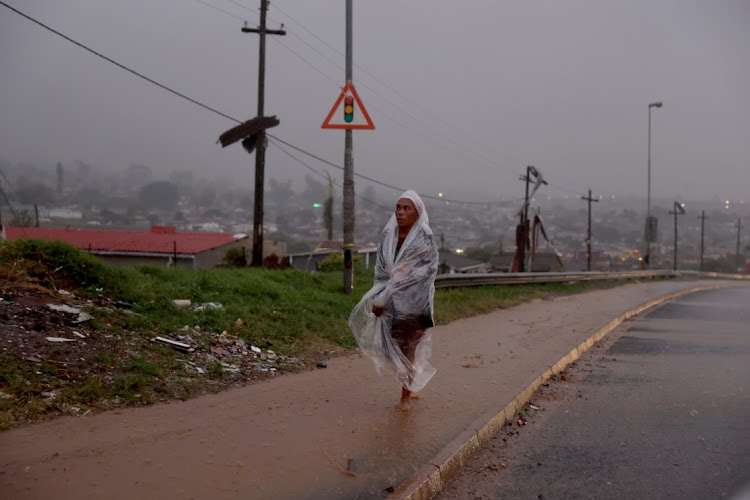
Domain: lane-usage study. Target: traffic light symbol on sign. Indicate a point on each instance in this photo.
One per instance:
(348, 109)
(342, 114)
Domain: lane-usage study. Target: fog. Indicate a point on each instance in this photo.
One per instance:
(464, 95)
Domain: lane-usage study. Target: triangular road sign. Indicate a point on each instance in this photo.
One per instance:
(348, 112)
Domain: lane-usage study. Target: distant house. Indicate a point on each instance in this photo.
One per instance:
(308, 261)
(544, 262)
(161, 245)
(451, 263)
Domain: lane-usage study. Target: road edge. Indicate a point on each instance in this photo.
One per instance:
(432, 477)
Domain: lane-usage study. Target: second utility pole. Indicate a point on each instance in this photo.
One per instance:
(260, 138)
(588, 237)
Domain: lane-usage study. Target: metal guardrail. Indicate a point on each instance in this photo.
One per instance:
(479, 279)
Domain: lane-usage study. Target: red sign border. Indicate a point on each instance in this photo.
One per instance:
(349, 87)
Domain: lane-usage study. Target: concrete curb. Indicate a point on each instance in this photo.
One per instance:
(433, 477)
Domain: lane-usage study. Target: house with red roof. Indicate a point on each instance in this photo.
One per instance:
(161, 245)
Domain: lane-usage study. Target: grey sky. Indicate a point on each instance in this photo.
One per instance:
(464, 95)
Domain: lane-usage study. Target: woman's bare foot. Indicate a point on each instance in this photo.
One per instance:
(405, 404)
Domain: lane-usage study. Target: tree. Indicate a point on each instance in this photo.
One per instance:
(22, 219)
(160, 195)
(34, 193)
(314, 191)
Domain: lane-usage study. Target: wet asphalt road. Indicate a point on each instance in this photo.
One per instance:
(659, 409)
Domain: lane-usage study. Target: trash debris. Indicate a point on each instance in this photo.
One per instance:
(533, 407)
(239, 322)
(255, 349)
(173, 343)
(33, 359)
(220, 352)
(209, 305)
(322, 365)
(60, 339)
(79, 334)
(123, 305)
(521, 421)
(87, 412)
(182, 302)
(64, 308)
(351, 467)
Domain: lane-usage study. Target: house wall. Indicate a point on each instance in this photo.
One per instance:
(272, 247)
(215, 256)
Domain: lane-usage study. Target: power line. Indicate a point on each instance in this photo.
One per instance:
(213, 110)
(118, 64)
(221, 10)
(320, 174)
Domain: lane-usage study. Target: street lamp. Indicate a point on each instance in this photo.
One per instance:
(650, 225)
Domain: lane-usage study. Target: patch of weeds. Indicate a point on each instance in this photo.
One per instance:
(7, 420)
(216, 370)
(108, 358)
(145, 367)
(131, 390)
(48, 369)
(90, 391)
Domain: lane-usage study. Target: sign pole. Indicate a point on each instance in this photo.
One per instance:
(348, 172)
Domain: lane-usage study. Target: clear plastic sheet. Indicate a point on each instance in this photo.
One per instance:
(404, 286)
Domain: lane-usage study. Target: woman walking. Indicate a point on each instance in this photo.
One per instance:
(391, 323)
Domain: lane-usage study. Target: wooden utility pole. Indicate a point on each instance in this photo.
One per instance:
(703, 225)
(260, 138)
(678, 210)
(588, 235)
(522, 230)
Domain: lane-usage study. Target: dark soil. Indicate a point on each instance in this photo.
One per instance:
(101, 365)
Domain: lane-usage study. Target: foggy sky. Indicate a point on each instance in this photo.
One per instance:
(464, 95)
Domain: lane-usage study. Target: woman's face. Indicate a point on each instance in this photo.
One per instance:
(406, 213)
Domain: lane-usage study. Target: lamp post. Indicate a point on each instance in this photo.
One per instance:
(650, 230)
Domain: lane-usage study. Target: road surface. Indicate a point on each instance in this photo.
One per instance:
(661, 408)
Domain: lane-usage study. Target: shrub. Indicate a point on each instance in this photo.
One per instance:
(235, 257)
(52, 262)
(335, 262)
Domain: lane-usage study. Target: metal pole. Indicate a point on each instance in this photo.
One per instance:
(348, 171)
(648, 202)
(737, 255)
(703, 225)
(674, 265)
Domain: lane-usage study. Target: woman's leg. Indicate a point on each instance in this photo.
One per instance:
(409, 349)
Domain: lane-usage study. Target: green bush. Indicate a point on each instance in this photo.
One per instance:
(52, 262)
(235, 257)
(335, 262)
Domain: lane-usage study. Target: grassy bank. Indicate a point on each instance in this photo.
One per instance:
(244, 325)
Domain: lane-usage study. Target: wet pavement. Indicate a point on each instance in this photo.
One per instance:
(296, 436)
(658, 409)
